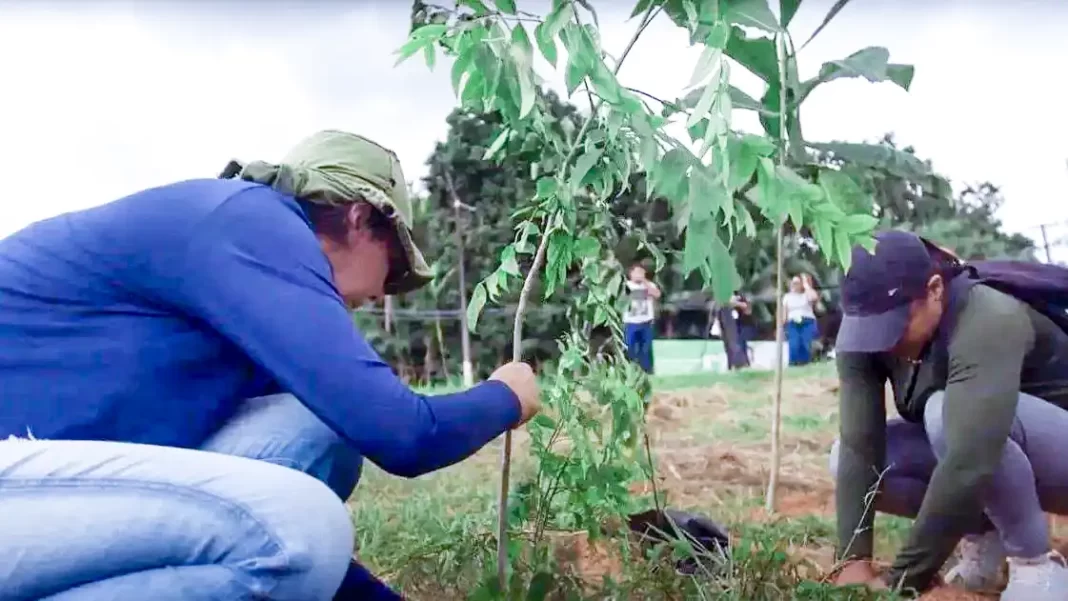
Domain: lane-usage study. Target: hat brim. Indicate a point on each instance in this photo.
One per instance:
(418, 273)
(872, 333)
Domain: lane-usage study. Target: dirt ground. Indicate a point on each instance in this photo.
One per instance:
(701, 469)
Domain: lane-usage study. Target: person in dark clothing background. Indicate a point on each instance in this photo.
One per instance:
(739, 314)
(979, 451)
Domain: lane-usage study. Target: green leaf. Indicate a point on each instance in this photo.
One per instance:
(509, 264)
(546, 43)
(561, 15)
(698, 246)
(413, 45)
(843, 248)
(844, 192)
(746, 102)
(704, 105)
(823, 234)
(543, 421)
(474, 307)
(546, 187)
(882, 157)
(718, 35)
(797, 192)
(771, 201)
(497, 145)
(642, 6)
(428, 54)
(477, 6)
(743, 162)
(430, 32)
(582, 167)
(578, 62)
(756, 54)
(587, 247)
(858, 224)
(838, 6)
(471, 90)
(752, 13)
(787, 10)
(707, 65)
(459, 68)
(523, 54)
(505, 6)
(759, 145)
(706, 196)
(521, 43)
(669, 174)
(870, 63)
(706, 252)
(901, 74)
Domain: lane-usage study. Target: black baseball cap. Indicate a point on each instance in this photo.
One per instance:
(878, 289)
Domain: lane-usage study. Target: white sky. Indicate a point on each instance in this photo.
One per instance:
(101, 99)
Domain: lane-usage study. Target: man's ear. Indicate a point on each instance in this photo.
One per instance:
(356, 218)
(936, 286)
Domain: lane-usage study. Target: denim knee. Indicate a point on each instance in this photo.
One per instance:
(279, 429)
(933, 422)
(320, 545)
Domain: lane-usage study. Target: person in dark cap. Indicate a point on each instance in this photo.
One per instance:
(979, 450)
(185, 402)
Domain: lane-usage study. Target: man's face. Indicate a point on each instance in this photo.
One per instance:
(362, 265)
(924, 316)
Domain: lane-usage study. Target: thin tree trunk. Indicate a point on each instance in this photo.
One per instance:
(388, 314)
(441, 347)
(770, 499)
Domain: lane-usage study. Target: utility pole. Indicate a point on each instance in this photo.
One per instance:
(465, 335)
(1045, 244)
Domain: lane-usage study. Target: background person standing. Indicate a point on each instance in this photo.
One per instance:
(800, 318)
(639, 315)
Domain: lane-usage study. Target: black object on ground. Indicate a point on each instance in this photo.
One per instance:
(710, 541)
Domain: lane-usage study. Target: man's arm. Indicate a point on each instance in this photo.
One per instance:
(991, 338)
(256, 277)
(861, 451)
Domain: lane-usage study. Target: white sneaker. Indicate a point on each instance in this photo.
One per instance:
(1043, 578)
(979, 568)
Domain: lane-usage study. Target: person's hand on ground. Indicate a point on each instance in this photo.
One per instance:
(520, 378)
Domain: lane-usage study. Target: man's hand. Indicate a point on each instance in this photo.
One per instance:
(860, 572)
(520, 378)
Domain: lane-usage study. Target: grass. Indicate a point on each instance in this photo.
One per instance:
(432, 537)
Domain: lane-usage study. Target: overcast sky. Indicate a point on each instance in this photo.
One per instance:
(100, 99)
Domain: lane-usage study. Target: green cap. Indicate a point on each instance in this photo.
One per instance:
(336, 167)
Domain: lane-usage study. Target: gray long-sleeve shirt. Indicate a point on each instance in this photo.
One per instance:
(998, 347)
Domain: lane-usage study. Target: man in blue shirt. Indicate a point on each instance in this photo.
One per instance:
(184, 399)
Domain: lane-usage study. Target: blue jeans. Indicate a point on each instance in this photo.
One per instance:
(639, 339)
(256, 513)
(799, 338)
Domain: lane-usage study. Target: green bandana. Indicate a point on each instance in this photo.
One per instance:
(336, 167)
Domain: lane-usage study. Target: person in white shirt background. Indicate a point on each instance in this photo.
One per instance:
(639, 316)
(799, 310)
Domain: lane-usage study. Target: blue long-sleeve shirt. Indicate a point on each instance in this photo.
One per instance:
(151, 318)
